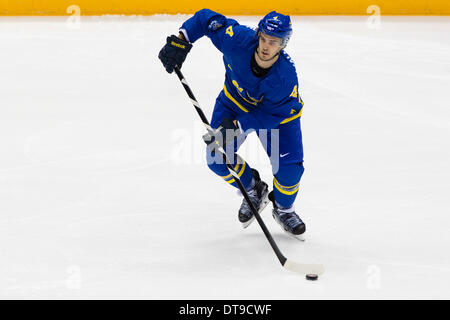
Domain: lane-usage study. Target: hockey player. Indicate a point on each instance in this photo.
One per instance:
(260, 93)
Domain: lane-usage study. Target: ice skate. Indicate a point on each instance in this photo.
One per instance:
(289, 221)
(258, 196)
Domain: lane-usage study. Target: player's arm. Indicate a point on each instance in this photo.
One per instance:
(222, 31)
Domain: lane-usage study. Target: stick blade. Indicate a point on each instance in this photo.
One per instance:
(303, 268)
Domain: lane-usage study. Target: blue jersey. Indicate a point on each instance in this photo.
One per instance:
(259, 102)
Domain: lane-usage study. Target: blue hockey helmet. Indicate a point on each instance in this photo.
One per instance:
(277, 25)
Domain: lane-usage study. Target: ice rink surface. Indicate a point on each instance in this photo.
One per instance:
(104, 192)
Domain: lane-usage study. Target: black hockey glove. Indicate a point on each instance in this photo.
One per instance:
(225, 135)
(174, 53)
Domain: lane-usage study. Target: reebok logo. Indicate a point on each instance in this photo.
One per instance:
(177, 45)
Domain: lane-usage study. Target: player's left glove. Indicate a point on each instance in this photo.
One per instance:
(174, 53)
(225, 135)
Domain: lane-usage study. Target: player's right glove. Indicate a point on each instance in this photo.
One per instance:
(174, 53)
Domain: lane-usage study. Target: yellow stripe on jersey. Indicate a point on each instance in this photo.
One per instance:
(298, 115)
(229, 96)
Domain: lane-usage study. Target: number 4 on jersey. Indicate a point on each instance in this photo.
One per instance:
(229, 31)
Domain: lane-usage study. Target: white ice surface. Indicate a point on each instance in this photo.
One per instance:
(104, 192)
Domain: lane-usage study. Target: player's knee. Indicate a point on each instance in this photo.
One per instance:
(290, 173)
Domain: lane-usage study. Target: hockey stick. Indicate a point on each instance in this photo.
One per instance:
(288, 264)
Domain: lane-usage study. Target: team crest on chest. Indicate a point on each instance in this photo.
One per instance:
(246, 96)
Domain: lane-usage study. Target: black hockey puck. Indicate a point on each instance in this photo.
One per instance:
(312, 277)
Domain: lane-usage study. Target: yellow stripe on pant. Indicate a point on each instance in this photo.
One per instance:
(241, 171)
(285, 189)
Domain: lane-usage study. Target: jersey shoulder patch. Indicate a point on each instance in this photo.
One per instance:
(216, 23)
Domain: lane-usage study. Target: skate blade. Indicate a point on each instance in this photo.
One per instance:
(247, 223)
(299, 237)
(264, 204)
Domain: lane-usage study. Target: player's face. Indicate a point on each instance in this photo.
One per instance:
(269, 46)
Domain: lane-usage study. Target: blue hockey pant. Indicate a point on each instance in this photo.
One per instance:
(283, 145)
